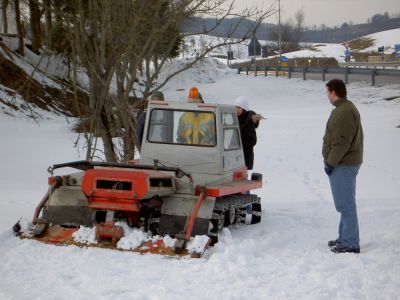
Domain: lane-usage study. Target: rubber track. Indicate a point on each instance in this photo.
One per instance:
(235, 201)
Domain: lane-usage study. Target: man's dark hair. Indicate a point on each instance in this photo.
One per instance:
(338, 86)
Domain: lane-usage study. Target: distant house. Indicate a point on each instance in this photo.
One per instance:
(254, 47)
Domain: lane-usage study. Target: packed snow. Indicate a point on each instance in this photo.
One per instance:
(284, 257)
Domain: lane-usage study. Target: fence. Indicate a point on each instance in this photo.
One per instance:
(372, 65)
(346, 71)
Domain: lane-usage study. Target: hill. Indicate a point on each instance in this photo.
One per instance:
(348, 32)
(322, 35)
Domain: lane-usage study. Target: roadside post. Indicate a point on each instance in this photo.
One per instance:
(381, 50)
(373, 73)
(346, 74)
(347, 54)
(284, 62)
(230, 57)
(264, 54)
(397, 50)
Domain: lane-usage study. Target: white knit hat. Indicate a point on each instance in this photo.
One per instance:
(243, 102)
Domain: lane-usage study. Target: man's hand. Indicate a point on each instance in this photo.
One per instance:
(328, 169)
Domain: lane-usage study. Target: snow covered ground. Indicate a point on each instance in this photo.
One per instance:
(387, 38)
(284, 257)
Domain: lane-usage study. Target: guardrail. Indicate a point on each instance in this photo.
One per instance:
(372, 65)
(346, 71)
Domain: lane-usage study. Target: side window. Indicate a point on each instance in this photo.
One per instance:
(231, 139)
(228, 119)
(231, 134)
(160, 129)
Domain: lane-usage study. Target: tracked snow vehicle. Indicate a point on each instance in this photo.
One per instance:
(191, 180)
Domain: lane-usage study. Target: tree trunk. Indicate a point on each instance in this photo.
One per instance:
(4, 13)
(19, 28)
(156, 66)
(127, 129)
(48, 23)
(35, 25)
(101, 123)
(129, 145)
(148, 78)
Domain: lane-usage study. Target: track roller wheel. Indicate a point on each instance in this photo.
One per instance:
(255, 213)
(230, 217)
(250, 214)
(217, 222)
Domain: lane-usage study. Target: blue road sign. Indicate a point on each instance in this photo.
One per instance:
(347, 52)
(284, 59)
(397, 47)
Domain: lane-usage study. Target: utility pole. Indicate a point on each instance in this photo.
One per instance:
(279, 29)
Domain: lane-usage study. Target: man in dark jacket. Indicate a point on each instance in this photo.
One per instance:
(343, 154)
(157, 95)
(247, 130)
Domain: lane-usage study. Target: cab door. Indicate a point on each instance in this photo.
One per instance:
(232, 153)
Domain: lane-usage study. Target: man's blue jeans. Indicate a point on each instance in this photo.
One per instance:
(343, 186)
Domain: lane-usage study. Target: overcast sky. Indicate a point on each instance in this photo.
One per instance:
(328, 12)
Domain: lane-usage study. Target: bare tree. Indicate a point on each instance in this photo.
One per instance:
(48, 21)
(116, 41)
(173, 19)
(299, 17)
(222, 10)
(34, 16)
(20, 31)
(288, 42)
(4, 6)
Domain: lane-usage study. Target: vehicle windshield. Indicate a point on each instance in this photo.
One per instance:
(182, 127)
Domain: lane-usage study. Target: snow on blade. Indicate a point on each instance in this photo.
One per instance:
(133, 237)
(85, 235)
(197, 244)
(168, 241)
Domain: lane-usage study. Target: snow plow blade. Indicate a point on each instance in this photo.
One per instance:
(63, 236)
